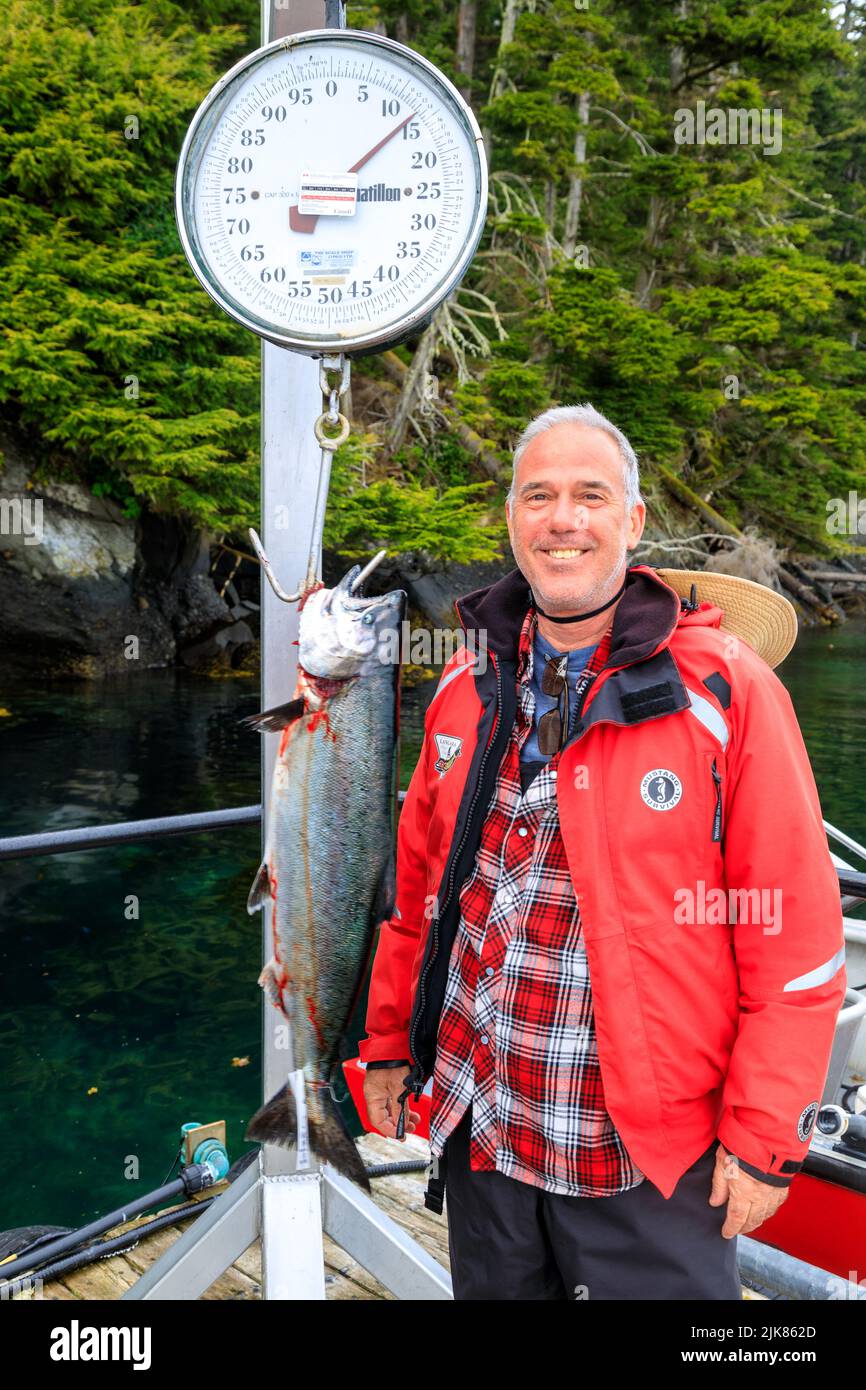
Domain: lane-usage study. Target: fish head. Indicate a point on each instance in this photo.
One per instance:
(343, 634)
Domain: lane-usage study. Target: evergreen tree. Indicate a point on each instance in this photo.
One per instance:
(702, 282)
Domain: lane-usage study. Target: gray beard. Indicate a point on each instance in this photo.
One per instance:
(600, 592)
(559, 607)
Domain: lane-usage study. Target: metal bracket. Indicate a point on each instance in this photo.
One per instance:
(295, 1209)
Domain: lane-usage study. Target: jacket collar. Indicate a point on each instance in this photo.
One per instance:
(644, 618)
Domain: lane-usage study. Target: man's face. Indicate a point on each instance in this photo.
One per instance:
(570, 496)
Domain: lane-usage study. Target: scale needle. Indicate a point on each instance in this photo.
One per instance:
(306, 221)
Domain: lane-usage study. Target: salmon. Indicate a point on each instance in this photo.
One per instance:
(327, 879)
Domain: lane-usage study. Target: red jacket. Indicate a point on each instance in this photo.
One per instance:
(710, 905)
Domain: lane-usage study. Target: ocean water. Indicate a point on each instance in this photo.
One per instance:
(128, 995)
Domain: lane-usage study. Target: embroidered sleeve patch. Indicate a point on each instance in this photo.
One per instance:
(448, 747)
(807, 1120)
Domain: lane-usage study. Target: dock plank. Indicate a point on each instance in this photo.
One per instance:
(58, 1290)
(105, 1279)
(250, 1262)
(150, 1248)
(234, 1284)
(400, 1195)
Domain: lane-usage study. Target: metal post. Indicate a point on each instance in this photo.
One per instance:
(291, 402)
(290, 1210)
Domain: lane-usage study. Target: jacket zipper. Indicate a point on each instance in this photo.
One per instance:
(581, 702)
(581, 699)
(717, 818)
(417, 1076)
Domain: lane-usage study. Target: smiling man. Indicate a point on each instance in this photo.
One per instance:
(618, 1088)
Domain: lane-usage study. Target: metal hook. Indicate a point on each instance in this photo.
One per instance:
(266, 566)
(329, 365)
(293, 598)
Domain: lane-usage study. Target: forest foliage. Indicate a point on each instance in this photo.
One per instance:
(709, 297)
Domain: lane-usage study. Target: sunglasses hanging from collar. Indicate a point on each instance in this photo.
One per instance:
(553, 726)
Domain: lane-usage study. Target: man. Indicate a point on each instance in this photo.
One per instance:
(625, 1076)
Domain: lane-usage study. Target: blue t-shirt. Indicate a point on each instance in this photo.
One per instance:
(578, 660)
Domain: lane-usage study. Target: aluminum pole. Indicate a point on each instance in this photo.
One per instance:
(290, 464)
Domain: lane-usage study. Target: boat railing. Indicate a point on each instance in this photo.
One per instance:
(852, 881)
(843, 868)
(128, 832)
(125, 832)
(833, 833)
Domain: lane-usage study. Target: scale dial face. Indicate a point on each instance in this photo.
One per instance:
(331, 191)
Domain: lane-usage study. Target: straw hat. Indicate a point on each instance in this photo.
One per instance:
(763, 618)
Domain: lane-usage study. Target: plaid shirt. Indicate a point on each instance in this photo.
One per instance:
(516, 1036)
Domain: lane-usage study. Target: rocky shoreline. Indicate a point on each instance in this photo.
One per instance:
(86, 592)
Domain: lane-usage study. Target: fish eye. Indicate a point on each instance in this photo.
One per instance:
(368, 618)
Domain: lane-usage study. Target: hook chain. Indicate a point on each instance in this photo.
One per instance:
(336, 365)
(329, 367)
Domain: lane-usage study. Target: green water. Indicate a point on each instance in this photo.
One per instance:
(116, 1028)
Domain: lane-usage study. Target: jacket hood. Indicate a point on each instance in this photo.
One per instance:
(645, 617)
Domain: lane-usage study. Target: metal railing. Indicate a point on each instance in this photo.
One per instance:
(125, 832)
(835, 834)
(852, 883)
(128, 832)
(848, 875)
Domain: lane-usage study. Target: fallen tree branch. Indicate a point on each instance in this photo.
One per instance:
(684, 493)
(413, 381)
(827, 612)
(836, 576)
(487, 461)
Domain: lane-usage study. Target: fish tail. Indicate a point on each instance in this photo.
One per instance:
(332, 1141)
(276, 1123)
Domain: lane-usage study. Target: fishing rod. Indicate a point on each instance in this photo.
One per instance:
(101, 1250)
(40, 1250)
(192, 1179)
(212, 1166)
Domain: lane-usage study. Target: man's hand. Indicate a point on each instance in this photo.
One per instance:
(382, 1087)
(750, 1201)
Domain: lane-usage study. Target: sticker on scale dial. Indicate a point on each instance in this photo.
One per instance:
(661, 789)
(339, 261)
(328, 195)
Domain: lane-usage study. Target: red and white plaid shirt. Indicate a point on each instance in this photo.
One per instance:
(516, 1036)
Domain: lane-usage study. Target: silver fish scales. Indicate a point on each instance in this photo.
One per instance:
(327, 876)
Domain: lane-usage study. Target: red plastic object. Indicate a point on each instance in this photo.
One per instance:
(354, 1074)
(822, 1223)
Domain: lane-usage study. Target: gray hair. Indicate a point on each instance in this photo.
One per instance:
(593, 419)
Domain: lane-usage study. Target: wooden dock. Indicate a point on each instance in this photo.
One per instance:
(400, 1195)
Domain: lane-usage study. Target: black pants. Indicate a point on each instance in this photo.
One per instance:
(510, 1240)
